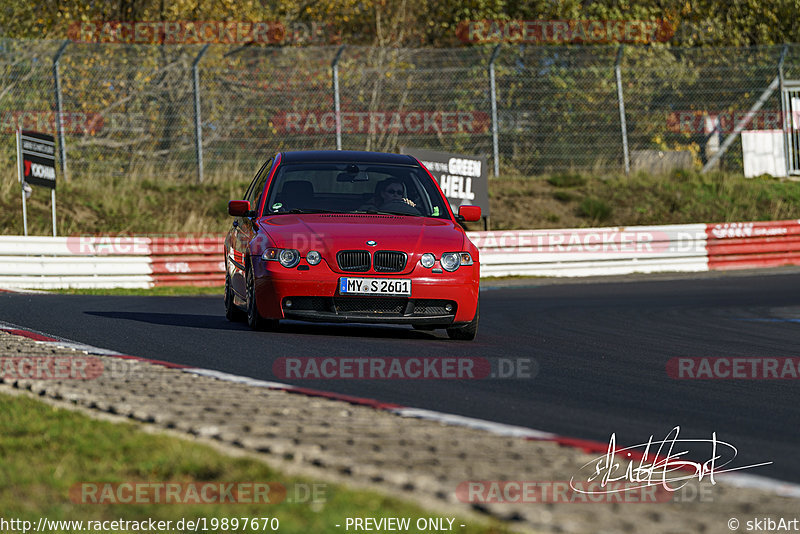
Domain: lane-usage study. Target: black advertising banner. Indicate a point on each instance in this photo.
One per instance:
(463, 179)
(39, 159)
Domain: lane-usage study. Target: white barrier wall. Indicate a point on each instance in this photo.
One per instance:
(593, 251)
(60, 262)
(139, 262)
(144, 261)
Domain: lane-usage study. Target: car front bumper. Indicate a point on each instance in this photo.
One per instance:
(311, 293)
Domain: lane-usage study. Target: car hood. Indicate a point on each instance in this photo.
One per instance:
(330, 233)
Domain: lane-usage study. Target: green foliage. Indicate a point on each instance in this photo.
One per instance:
(563, 196)
(594, 209)
(424, 22)
(566, 180)
(149, 205)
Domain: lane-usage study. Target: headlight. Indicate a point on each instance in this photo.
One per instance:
(427, 260)
(450, 261)
(453, 260)
(313, 257)
(288, 257)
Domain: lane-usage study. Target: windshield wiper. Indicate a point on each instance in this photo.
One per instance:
(381, 212)
(300, 210)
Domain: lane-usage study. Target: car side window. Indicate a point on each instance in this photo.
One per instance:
(248, 193)
(254, 192)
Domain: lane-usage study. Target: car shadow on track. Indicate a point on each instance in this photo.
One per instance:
(219, 322)
(355, 330)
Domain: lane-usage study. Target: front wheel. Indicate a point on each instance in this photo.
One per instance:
(466, 332)
(254, 318)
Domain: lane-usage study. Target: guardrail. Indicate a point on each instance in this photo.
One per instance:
(748, 245)
(593, 251)
(146, 261)
(110, 261)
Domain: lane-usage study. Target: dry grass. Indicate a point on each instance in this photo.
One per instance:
(143, 204)
(638, 199)
(146, 203)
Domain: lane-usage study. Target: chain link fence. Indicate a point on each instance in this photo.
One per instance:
(182, 111)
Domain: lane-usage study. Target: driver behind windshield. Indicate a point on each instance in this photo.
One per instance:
(387, 192)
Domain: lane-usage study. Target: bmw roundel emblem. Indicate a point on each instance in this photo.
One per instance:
(371, 243)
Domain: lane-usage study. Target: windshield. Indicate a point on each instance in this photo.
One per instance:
(354, 188)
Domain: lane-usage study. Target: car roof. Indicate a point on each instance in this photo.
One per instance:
(348, 156)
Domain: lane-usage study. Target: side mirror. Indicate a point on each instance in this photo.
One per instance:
(470, 213)
(239, 208)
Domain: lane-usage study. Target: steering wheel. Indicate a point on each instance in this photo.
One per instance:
(400, 206)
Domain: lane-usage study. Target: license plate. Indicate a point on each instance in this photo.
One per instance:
(374, 286)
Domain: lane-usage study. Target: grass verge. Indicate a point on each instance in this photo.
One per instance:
(579, 201)
(149, 205)
(47, 451)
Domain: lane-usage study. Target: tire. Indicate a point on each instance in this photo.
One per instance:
(232, 311)
(254, 318)
(466, 332)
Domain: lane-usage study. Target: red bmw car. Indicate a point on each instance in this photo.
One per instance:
(357, 237)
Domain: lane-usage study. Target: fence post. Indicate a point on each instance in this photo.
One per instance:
(621, 101)
(337, 111)
(784, 110)
(198, 128)
(493, 93)
(59, 109)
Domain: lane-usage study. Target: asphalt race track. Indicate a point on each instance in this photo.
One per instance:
(601, 350)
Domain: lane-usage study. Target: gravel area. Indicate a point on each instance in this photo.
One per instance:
(417, 459)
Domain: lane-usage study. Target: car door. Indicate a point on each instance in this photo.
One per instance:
(243, 230)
